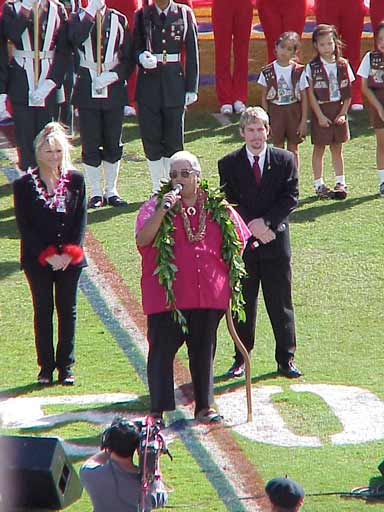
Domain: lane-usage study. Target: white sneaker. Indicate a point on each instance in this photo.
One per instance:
(226, 109)
(357, 107)
(129, 111)
(239, 107)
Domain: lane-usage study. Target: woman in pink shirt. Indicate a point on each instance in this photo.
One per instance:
(191, 266)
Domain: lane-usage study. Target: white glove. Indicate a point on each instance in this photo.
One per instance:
(39, 95)
(3, 106)
(27, 4)
(94, 6)
(148, 60)
(190, 97)
(106, 78)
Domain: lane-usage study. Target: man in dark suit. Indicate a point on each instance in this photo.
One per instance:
(165, 42)
(262, 183)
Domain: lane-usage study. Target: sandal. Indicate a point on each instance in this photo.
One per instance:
(209, 416)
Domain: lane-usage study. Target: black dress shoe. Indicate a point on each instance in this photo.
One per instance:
(44, 378)
(236, 371)
(289, 370)
(116, 201)
(96, 202)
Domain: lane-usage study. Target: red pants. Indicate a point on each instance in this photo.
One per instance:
(376, 11)
(232, 21)
(278, 16)
(348, 18)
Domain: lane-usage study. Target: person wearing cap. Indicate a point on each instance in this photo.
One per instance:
(188, 262)
(165, 44)
(112, 479)
(285, 494)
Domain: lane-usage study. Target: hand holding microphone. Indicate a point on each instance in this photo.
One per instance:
(170, 199)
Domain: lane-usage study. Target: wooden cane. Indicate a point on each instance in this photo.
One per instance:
(98, 42)
(247, 362)
(36, 42)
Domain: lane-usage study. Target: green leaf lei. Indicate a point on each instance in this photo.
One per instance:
(215, 204)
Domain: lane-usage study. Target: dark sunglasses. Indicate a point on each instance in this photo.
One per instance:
(184, 173)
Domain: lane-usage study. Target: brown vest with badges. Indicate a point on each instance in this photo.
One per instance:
(377, 70)
(320, 80)
(271, 79)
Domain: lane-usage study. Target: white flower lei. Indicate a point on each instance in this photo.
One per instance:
(54, 200)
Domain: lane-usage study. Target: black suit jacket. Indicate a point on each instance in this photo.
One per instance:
(273, 200)
(41, 227)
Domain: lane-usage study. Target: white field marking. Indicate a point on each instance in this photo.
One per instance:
(115, 305)
(359, 410)
(27, 412)
(222, 119)
(267, 425)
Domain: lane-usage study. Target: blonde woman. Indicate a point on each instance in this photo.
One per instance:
(50, 210)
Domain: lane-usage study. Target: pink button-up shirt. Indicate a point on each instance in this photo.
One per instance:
(202, 277)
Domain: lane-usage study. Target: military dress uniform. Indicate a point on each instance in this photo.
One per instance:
(163, 91)
(34, 103)
(100, 99)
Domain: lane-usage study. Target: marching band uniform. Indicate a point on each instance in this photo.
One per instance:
(34, 106)
(100, 99)
(348, 18)
(280, 16)
(231, 23)
(128, 8)
(164, 85)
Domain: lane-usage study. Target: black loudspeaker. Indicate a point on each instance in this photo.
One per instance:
(35, 474)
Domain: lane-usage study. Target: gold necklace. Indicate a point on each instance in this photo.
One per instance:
(201, 230)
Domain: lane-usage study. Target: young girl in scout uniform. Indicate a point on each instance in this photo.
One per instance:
(330, 77)
(371, 71)
(284, 94)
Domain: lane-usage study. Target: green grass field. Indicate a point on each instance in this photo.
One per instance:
(338, 295)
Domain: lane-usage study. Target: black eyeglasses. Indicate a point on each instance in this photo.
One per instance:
(184, 173)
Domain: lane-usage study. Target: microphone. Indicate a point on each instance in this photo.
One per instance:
(177, 188)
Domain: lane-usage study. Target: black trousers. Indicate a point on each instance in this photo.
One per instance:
(161, 130)
(165, 338)
(274, 275)
(100, 133)
(29, 121)
(57, 288)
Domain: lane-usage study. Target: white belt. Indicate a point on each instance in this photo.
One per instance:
(105, 66)
(167, 57)
(28, 54)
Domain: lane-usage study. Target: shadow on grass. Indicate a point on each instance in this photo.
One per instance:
(20, 390)
(326, 207)
(8, 268)
(5, 190)
(231, 384)
(8, 229)
(109, 212)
